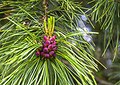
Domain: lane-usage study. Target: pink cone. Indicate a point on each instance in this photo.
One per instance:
(38, 53)
(50, 47)
(45, 49)
(46, 38)
(47, 55)
(51, 53)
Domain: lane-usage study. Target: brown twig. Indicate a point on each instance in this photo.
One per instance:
(45, 5)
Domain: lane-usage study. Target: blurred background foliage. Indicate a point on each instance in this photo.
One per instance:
(102, 16)
(22, 34)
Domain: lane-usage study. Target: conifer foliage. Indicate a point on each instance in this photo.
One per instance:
(41, 45)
